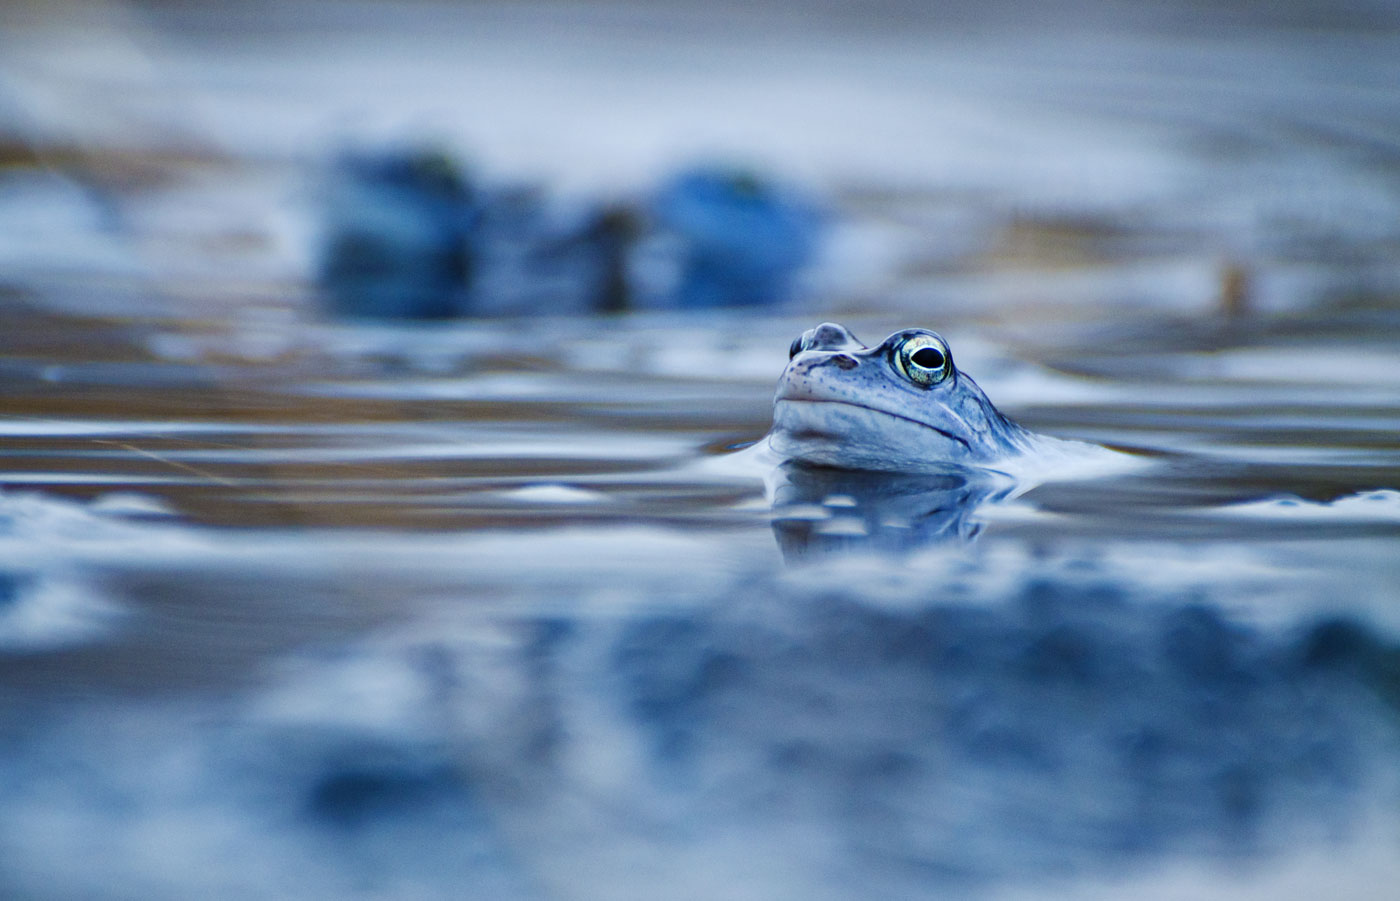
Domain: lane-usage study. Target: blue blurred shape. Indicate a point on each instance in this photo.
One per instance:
(9, 589)
(407, 236)
(358, 797)
(740, 239)
(540, 254)
(398, 239)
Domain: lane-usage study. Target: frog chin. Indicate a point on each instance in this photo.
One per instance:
(833, 433)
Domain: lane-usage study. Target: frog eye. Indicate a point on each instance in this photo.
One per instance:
(923, 360)
(795, 348)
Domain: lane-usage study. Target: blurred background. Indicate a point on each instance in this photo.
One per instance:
(370, 380)
(1183, 143)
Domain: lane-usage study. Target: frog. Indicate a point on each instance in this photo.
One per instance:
(899, 406)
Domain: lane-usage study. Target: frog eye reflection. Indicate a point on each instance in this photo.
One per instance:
(923, 360)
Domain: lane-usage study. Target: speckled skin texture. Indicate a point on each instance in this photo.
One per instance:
(840, 403)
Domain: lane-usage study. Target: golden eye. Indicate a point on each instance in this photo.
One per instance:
(923, 360)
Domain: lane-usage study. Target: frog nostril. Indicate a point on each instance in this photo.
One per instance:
(845, 362)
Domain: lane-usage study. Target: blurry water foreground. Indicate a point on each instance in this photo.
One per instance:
(292, 606)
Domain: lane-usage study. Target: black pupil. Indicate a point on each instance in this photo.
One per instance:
(927, 358)
(794, 348)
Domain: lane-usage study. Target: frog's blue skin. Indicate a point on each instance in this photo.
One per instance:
(842, 404)
(740, 241)
(398, 236)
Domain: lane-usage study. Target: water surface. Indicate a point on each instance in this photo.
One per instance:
(298, 607)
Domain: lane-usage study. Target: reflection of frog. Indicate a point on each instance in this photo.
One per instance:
(819, 510)
(901, 406)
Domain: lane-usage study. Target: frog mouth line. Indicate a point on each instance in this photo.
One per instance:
(842, 403)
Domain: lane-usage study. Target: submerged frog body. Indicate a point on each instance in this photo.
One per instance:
(899, 406)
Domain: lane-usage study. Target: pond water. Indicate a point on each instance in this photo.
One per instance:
(510, 608)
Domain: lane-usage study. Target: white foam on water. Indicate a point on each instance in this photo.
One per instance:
(1367, 506)
(51, 612)
(554, 493)
(1060, 460)
(130, 503)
